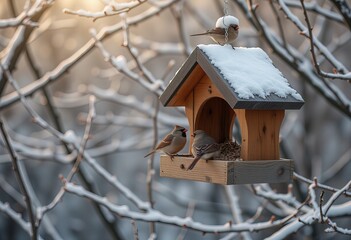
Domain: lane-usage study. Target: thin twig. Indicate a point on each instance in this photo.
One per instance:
(20, 180)
(135, 230)
(320, 207)
(322, 186)
(150, 165)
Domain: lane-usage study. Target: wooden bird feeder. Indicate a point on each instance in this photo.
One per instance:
(212, 101)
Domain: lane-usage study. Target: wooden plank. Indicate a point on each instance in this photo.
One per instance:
(212, 172)
(184, 90)
(260, 133)
(189, 111)
(272, 102)
(228, 172)
(267, 171)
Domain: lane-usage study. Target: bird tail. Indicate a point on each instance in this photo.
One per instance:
(192, 165)
(198, 34)
(149, 154)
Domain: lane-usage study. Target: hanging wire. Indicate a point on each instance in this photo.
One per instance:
(225, 26)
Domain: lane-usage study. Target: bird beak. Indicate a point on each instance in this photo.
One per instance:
(193, 135)
(236, 28)
(185, 130)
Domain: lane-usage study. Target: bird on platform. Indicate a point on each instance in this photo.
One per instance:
(172, 143)
(204, 147)
(227, 24)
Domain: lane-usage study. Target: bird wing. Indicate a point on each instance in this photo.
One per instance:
(165, 142)
(219, 31)
(206, 148)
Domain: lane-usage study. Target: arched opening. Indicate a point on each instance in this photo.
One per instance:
(216, 117)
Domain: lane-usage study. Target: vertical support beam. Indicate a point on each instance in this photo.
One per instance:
(260, 133)
(189, 111)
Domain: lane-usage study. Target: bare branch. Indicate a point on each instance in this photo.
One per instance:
(20, 180)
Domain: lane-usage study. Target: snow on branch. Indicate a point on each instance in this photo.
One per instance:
(314, 58)
(297, 60)
(320, 46)
(19, 20)
(112, 8)
(120, 63)
(16, 217)
(314, 215)
(69, 62)
(152, 215)
(313, 6)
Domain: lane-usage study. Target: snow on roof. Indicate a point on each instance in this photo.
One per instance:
(249, 71)
(226, 21)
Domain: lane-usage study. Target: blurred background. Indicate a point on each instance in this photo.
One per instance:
(61, 50)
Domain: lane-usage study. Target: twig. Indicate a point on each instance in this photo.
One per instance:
(320, 207)
(280, 26)
(233, 201)
(20, 180)
(11, 53)
(150, 165)
(66, 64)
(111, 9)
(178, 15)
(345, 74)
(135, 230)
(316, 8)
(16, 217)
(85, 138)
(335, 228)
(78, 160)
(335, 196)
(189, 213)
(337, 166)
(152, 215)
(322, 186)
(296, 60)
(344, 10)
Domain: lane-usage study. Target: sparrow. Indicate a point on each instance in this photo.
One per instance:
(204, 147)
(172, 143)
(218, 33)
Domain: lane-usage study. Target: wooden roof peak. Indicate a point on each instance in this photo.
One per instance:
(198, 64)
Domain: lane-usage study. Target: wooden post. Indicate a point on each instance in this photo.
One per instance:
(260, 133)
(189, 111)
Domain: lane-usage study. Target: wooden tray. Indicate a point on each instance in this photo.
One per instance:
(228, 172)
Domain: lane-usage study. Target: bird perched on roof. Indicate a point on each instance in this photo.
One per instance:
(204, 147)
(218, 34)
(172, 143)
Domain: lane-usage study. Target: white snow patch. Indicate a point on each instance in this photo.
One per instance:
(226, 21)
(120, 62)
(249, 71)
(69, 137)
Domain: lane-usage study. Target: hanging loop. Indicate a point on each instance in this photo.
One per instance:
(225, 26)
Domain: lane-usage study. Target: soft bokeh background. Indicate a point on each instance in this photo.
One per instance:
(316, 137)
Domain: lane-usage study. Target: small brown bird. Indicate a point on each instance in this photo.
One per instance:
(172, 143)
(218, 33)
(204, 147)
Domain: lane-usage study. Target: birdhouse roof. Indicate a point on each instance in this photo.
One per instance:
(246, 77)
